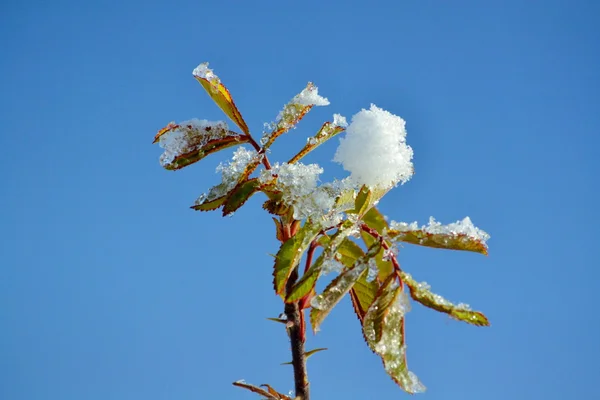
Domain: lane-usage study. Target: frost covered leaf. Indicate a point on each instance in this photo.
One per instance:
(327, 131)
(461, 235)
(239, 195)
(191, 141)
(291, 252)
(293, 112)
(323, 303)
(220, 95)
(214, 199)
(258, 390)
(421, 292)
(375, 220)
(209, 205)
(383, 328)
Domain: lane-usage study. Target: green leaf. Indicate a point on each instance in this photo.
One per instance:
(240, 194)
(323, 303)
(383, 329)
(214, 199)
(420, 292)
(194, 144)
(362, 295)
(209, 205)
(375, 220)
(459, 241)
(374, 319)
(327, 131)
(307, 282)
(291, 252)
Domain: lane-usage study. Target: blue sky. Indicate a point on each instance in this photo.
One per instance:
(112, 288)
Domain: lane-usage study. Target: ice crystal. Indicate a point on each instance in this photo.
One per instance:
(390, 253)
(340, 286)
(373, 271)
(403, 226)
(374, 150)
(330, 265)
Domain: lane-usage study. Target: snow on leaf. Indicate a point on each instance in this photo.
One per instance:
(323, 303)
(230, 177)
(327, 131)
(190, 141)
(209, 205)
(461, 235)
(374, 149)
(293, 112)
(239, 195)
(421, 292)
(291, 252)
(383, 328)
(220, 95)
(298, 185)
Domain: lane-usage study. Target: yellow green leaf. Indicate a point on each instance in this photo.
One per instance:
(421, 292)
(327, 131)
(450, 241)
(220, 95)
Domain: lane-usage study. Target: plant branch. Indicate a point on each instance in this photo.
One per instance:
(296, 331)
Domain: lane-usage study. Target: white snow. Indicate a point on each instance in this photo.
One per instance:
(310, 97)
(374, 149)
(202, 71)
(340, 120)
(298, 184)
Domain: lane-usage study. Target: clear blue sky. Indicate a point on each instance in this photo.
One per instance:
(112, 288)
